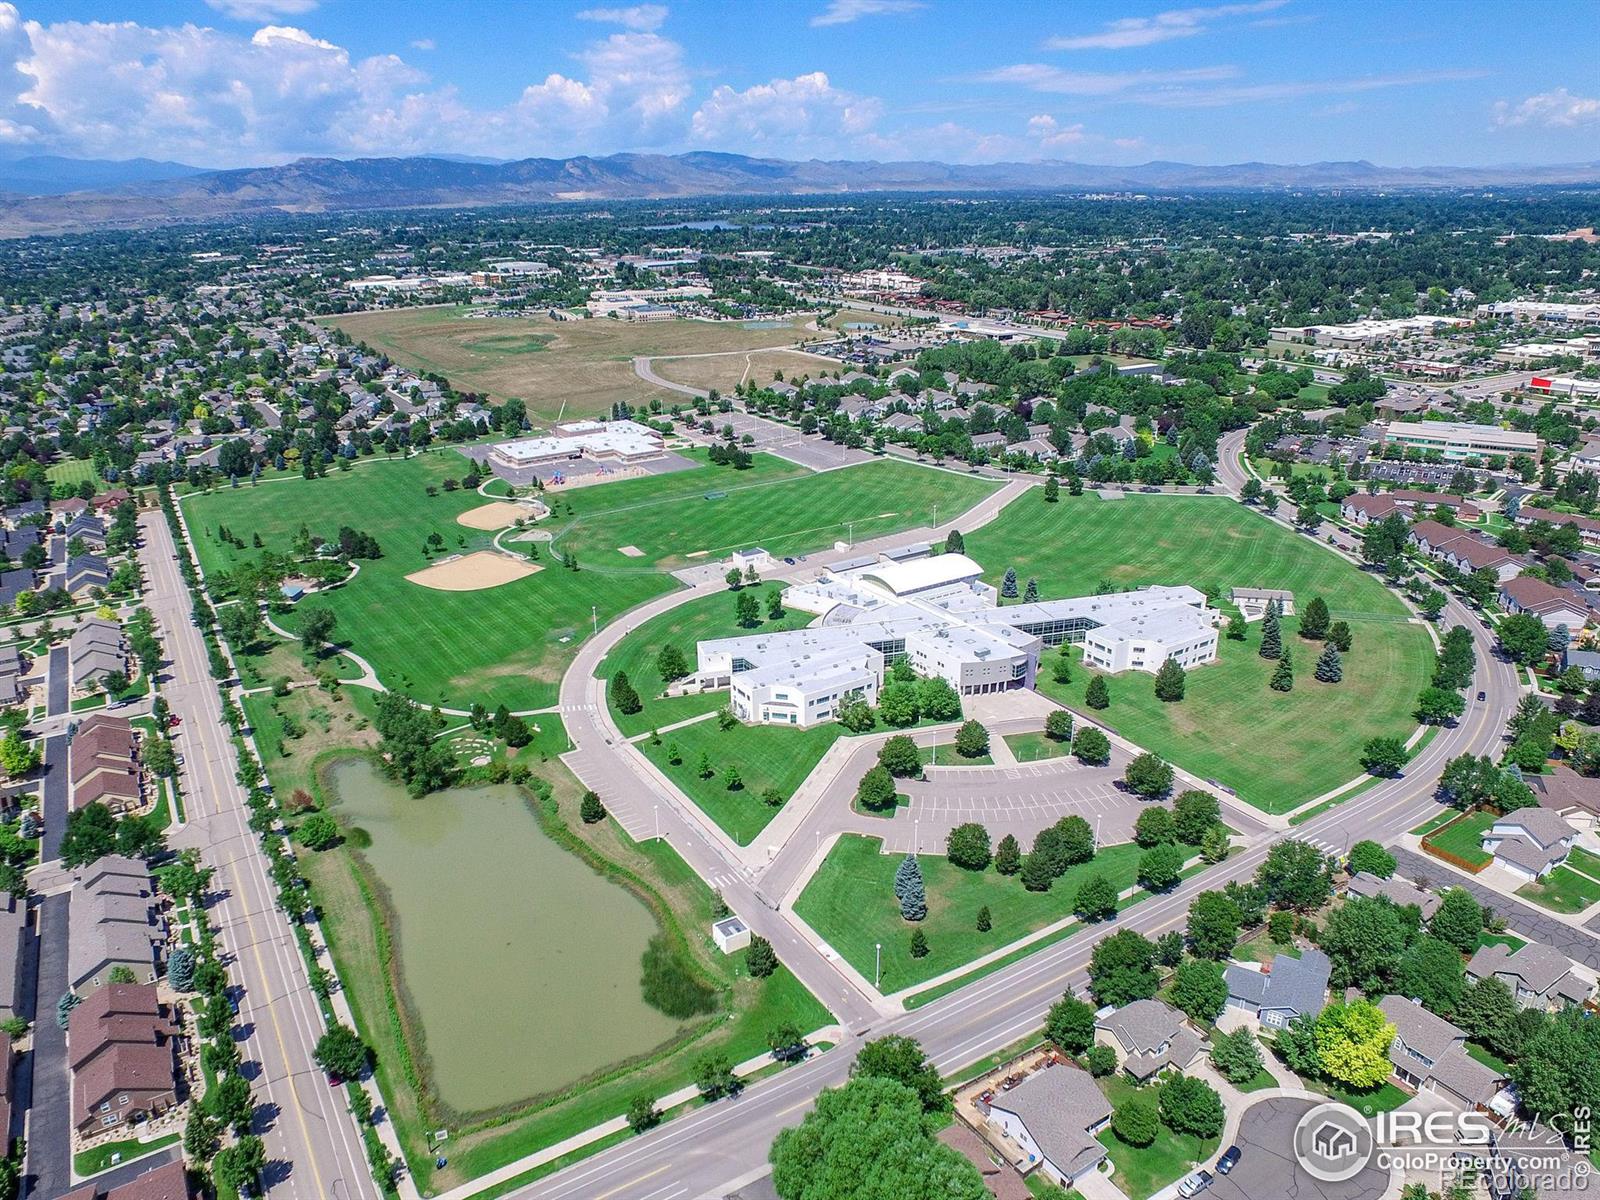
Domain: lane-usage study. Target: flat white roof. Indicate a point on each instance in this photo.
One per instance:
(919, 574)
(594, 437)
(1462, 431)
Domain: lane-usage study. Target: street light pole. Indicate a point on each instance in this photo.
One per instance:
(877, 965)
(657, 810)
(594, 615)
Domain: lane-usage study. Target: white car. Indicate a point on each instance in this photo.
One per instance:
(1193, 1185)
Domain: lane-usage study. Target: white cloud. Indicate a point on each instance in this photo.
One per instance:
(641, 18)
(424, 44)
(843, 12)
(1557, 109)
(104, 89)
(803, 115)
(1041, 77)
(1163, 27)
(259, 11)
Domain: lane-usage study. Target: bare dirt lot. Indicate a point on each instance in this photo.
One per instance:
(587, 365)
(494, 516)
(473, 572)
(726, 371)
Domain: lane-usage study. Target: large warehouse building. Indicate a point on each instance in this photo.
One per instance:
(938, 613)
(599, 441)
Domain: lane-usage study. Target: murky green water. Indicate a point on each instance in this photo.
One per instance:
(523, 964)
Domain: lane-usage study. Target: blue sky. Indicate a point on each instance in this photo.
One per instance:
(238, 82)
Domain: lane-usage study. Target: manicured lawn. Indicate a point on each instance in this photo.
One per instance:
(71, 470)
(683, 627)
(1262, 1079)
(1488, 1058)
(1464, 839)
(1230, 727)
(1584, 861)
(92, 1162)
(1386, 1097)
(1145, 1170)
(766, 755)
(1509, 940)
(1032, 747)
(944, 754)
(850, 903)
(1263, 949)
(502, 645)
(689, 517)
(1563, 891)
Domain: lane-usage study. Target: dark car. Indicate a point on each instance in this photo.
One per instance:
(1483, 695)
(790, 561)
(1230, 1156)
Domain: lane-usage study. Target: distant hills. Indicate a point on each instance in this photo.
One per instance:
(50, 195)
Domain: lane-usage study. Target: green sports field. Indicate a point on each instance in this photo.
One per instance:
(510, 644)
(680, 519)
(502, 645)
(1276, 750)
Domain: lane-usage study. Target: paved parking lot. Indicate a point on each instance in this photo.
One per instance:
(1018, 800)
(785, 441)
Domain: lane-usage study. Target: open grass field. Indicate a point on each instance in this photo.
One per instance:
(683, 627)
(71, 470)
(503, 645)
(1145, 1170)
(765, 756)
(1276, 750)
(850, 903)
(1035, 747)
(583, 366)
(726, 371)
(687, 517)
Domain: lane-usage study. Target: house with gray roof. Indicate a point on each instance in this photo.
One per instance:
(1149, 1037)
(1292, 987)
(1537, 975)
(1397, 891)
(13, 936)
(1530, 842)
(111, 923)
(97, 649)
(1429, 1054)
(1052, 1118)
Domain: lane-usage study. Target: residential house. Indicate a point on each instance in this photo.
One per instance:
(1552, 605)
(1052, 1116)
(111, 923)
(13, 583)
(1537, 975)
(1587, 661)
(1588, 527)
(103, 760)
(85, 571)
(1463, 550)
(1150, 1037)
(12, 670)
(1398, 891)
(97, 649)
(13, 940)
(1530, 842)
(1293, 987)
(122, 1046)
(1430, 1054)
(1361, 509)
(169, 1181)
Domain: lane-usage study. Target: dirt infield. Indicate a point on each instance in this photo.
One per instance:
(494, 516)
(473, 572)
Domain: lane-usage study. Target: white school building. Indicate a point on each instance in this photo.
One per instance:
(599, 441)
(938, 613)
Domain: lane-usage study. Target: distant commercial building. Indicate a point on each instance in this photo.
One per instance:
(1546, 311)
(621, 303)
(1356, 334)
(1569, 386)
(1457, 441)
(598, 441)
(939, 615)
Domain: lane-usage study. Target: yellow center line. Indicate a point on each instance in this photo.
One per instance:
(635, 1182)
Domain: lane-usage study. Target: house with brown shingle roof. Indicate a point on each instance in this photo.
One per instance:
(103, 761)
(167, 1182)
(1552, 605)
(122, 1045)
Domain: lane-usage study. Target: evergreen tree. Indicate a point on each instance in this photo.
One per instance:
(953, 543)
(1097, 695)
(591, 809)
(1008, 585)
(919, 944)
(1052, 490)
(1314, 621)
(1008, 856)
(1030, 594)
(985, 922)
(623, 695)
(1283, 674)
(1170, 681)
(914, 903)
(1271, 634)
(903, 875)
(1329, 667)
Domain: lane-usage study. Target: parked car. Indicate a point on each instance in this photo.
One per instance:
(1483, 695)
(790, 561)
(1193, 1185)
(1230, 1156)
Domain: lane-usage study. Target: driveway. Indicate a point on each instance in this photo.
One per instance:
(55, 790)
(1268, 1169)
(56, 698)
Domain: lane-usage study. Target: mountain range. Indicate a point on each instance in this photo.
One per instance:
(48, 195)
